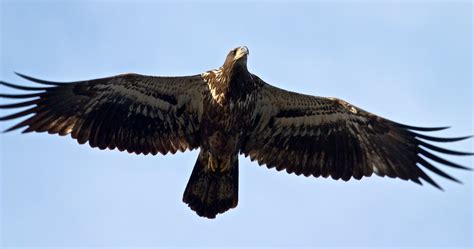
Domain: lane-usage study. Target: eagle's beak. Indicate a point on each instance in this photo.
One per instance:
(241, 52)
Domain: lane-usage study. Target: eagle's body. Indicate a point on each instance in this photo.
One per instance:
(229, 113)
(226, 112)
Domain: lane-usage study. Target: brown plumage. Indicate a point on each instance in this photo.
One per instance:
(225, 112)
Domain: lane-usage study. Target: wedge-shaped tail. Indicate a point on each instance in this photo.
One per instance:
(210, 192)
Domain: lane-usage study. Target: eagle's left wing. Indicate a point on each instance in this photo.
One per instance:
(132, 112)
(329, 137)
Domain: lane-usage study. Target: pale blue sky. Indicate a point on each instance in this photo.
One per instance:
(407, 61)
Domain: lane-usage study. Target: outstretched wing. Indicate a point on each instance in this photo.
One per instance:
(137, 113)
(329, 137)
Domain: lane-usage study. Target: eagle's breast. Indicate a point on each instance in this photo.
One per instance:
(228, 111)
(215, 79)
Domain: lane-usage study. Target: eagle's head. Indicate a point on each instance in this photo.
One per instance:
(237, 58)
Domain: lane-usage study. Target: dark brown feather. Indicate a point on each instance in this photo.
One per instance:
(116, 112)
(332, 138)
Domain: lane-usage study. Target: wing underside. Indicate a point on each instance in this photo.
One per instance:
(136, 113)
(329, 137)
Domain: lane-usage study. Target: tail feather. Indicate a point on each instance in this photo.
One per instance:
(209, 192)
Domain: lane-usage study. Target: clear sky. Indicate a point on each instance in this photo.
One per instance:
(407, 61)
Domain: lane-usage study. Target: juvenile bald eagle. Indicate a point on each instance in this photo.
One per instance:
(224, 112)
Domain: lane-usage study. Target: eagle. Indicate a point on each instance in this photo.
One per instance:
(226, 112)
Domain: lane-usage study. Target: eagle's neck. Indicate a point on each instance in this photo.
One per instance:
(229, 85)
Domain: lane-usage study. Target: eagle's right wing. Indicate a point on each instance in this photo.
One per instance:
(137, 113)
(329, 137)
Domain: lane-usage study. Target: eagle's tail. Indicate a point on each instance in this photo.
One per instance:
(212, 189)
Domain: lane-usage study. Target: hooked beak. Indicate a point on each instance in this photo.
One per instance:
(241, 52)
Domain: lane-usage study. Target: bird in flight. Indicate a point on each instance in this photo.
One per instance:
(226, 112)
